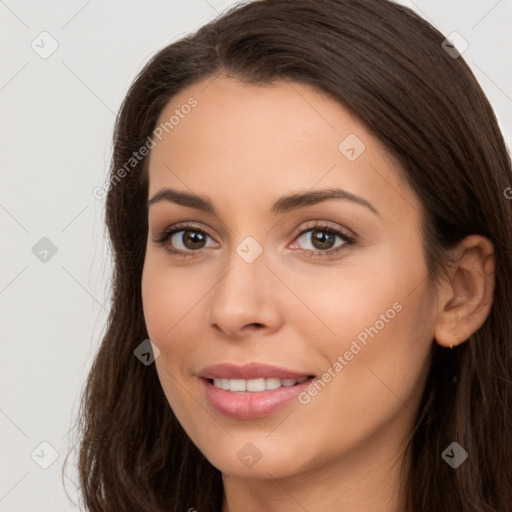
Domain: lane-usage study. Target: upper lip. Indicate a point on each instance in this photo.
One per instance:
(248, 371)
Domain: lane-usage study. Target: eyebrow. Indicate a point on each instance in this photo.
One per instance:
(282, 205)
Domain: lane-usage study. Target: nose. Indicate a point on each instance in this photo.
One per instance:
(245, 300)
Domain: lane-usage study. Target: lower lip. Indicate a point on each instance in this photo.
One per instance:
(250, 405)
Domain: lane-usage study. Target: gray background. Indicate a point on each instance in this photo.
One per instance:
(57, 121)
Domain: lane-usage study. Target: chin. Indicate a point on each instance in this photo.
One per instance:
(259, 459)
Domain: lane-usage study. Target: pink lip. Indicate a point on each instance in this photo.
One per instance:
(248, 405)
(248, 371)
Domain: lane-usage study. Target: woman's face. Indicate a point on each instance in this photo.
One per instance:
(285, 275)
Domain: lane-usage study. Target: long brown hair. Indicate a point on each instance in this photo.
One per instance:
(388, 66)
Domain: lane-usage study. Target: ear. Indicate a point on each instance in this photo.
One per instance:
(466, 296)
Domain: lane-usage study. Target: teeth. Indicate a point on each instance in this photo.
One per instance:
(255, 385)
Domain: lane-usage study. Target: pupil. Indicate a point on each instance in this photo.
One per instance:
(195, 238)
(324, 238)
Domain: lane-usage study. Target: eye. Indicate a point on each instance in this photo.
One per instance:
(321, 239)
(183, 239)
(189, 240)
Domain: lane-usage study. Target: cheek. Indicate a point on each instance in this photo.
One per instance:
(367, 388)
(377, 348)
(168, 299)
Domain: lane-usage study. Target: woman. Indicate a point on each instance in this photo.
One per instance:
(308, 218)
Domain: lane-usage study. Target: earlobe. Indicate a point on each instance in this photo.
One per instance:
(470, 292)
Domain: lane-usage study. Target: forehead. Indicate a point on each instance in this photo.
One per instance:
(265, 139)
(228, 110)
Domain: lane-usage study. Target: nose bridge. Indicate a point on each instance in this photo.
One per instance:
(244, 295)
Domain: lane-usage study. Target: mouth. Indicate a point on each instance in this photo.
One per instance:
(250, 399)
(252, 390)
(257, 385)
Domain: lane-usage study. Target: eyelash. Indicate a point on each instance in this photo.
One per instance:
(346, 237)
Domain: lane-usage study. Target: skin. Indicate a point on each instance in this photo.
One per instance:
(243, 147)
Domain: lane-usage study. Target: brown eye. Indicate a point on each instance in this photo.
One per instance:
(191, 239)
(322, 239)
(184, 240)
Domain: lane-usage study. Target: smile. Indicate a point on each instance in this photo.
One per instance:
(241, 403)
(254, 385)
